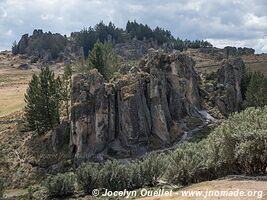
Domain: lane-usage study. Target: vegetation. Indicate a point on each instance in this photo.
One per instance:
(104, 33)
(152, 168)
(88, 176)
(60, 185)
(237, 146)
(42, 111)
(161, 36)
(115, 176)
(110, 33)
(103, 59)
(256, 90)
(187, 164)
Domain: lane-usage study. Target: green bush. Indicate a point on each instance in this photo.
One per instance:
(135, 172)
(240, 143)
(188, 164)
(61, 185)
(88, 176)
(115, 176)
(152, 168)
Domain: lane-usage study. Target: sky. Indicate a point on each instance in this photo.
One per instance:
(222, 22)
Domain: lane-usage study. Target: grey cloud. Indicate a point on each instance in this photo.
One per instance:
(220, 21)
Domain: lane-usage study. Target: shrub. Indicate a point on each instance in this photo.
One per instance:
(240, 143)
(88, 176)
(135, 172)
(152, 168)
(61, 185)
(115, 176)
(187, 164)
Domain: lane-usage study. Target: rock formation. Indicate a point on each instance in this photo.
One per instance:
(233, 51)
(229, 83)
(46, 47)
(135, 49)
(123, 117)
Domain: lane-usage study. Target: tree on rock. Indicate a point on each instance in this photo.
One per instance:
(42, 99)
(103, 59)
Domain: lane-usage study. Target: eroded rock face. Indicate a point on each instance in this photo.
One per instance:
(233, 51)
(229, 79)
(122, 116)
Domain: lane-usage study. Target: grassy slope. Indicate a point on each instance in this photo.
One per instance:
(14, 81)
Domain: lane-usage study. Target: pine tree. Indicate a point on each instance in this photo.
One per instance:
(103, 59)
(42, 99)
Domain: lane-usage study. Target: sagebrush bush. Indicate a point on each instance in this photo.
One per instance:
(152, 168)
(61, 185)
(136, 177)
(88, 176)
(115, 176)
(240, 143)
(188, 164)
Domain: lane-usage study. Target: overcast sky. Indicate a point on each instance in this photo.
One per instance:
(222, 22)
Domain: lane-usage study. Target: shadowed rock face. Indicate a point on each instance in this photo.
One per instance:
(122, 116)
(230, 76)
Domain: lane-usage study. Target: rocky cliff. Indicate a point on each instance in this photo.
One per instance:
(146, 107)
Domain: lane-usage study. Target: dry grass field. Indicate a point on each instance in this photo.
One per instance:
(14, 81)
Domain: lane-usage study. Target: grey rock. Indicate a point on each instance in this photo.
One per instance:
(60, 136)
(230, 74)
(122, 116)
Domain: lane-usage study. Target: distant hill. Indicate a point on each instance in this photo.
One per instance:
(48, 46)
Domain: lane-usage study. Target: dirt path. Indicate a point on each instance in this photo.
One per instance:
(219, 190)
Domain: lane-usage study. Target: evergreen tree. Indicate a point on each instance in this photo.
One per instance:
(103, 59)
(43, 97)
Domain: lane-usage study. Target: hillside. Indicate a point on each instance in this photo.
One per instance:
(160, 99)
